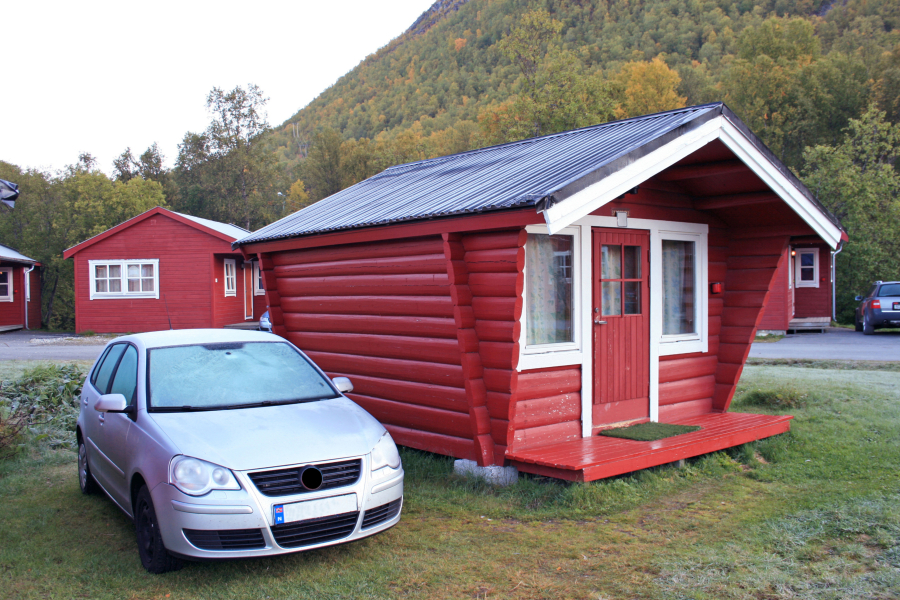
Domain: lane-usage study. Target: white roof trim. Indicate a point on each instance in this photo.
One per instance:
(591, 198)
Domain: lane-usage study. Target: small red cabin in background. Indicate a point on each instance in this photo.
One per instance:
(163, 265)
(20, 291)
(801, 297)
(505, 305)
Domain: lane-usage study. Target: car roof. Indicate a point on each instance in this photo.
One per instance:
(183, 337)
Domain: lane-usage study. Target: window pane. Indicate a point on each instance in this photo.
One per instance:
(678, 287)
(146, 270)
(100, 285)
(548, 284)
(807, 274)
(612, 297)
(147, 285)
(125, 380)
(115, 285)
(134, 270)
(632, 299)
(611, 262)
(807, 259)
(109, 363)
(115, 271)
(100, 271)
(134, 285)
(632, 268)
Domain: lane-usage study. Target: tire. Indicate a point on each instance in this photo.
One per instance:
(85, 478)
(154, 556)
(856, 322)
(867, 327)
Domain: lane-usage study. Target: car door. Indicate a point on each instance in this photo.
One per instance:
(115, 428)
(98, 385)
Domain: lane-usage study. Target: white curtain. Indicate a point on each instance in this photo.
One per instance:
(548, 289)
(678, 287)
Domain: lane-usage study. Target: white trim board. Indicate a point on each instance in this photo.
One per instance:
(591, 198)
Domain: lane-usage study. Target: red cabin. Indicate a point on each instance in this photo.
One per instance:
(20, 291)
(802, 297)
(161, 266)
(506, 304)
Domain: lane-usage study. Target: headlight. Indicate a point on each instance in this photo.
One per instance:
(385, 454)
(198, 477)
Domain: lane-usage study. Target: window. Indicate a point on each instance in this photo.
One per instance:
(6, 285)
(125, 380)
(230, 278)
(27, 285)
(683, 294)
(807, 267)
(258, 288)
(550, 321)
(103, 374)
(124, 278)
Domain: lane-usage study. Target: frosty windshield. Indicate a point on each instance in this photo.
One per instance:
(231, 375)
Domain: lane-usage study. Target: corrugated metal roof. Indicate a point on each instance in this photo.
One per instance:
(7, 253)
(500, 177)
(226, 228)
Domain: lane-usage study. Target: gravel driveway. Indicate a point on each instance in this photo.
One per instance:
(38, 345)
(834, 344)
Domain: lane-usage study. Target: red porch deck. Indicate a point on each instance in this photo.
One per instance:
(598, 457)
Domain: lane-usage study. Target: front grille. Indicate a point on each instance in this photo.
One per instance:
(284, 482)
(315, 531)
(226, 539)
(380, 514)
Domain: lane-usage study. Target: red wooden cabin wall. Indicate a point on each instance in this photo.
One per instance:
(34, 305)
(13, 313)
(816, 302)
(780, 307)
(185, 279)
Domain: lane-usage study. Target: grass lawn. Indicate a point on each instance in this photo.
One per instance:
(814, 513)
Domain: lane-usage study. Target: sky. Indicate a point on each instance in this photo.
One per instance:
(100, 76)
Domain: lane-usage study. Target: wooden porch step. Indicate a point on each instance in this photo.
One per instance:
(598, 457)
(809, 323)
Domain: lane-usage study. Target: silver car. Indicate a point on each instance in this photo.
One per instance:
(232, 444)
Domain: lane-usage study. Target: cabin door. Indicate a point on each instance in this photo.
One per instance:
(621, 325)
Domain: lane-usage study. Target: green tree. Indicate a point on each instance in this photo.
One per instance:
(858, 181)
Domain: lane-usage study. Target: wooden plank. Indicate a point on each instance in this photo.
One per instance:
(499, 355)
(496, 284)
(429, 350)
(687, 389)
(499, 380)
(546, 411)
(733, 353)
(405, 306)
(433, 442)
(770, 261)
(687, 368)
(390, 368)
(498, 404)
(734, 200)
(766, 246)
(411, 392)
(736, 316)
(544, 383)
(745, 299)
(491, 240)
(537, 436)
(702, 170)
(691, 408)
(421, 246)
(500, 260)
(394, 265)
(430, 327)
(366, 285)
(410, 416)
(497, 309)
(749, 280)
(497, 331)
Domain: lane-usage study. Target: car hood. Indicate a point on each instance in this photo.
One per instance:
(273, 436)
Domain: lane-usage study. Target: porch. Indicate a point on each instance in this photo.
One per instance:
(598, 457)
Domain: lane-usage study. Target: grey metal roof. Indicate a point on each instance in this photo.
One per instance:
(512, 175)
(7, 253)
(228, 229)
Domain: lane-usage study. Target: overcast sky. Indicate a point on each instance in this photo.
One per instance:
(99, 76)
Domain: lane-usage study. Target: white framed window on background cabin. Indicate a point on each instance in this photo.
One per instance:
(6, 285)
(807, 267)
(230, 277)
(110, 279)
(684, 314)
(551, 315)
(258, 289)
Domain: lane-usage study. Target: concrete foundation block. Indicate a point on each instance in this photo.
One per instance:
(500, 476)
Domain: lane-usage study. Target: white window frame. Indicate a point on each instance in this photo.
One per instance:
(233, 291)
(9, 271)
(95, 295)
(686, 342)
(539, 356)
(797, 267)
(258, 289)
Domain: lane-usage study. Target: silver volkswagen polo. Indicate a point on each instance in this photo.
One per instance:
(232, 444)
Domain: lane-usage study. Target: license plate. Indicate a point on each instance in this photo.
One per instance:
(896, 305)
(313, 509)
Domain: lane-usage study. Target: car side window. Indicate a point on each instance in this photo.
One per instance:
(125, 380)
(99, 365)
(109, 364)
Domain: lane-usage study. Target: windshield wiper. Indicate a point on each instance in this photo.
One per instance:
(184, 408)
(273, 403)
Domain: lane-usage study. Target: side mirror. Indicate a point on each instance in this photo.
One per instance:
(859, 298)
(111, 403)
(343, 384)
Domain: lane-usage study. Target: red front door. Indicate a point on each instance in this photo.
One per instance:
(621, 317)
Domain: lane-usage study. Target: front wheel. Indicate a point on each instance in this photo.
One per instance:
(85, 479)
(154, 555)
(867, 327)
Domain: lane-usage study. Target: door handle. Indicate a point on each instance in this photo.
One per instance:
(599, 322)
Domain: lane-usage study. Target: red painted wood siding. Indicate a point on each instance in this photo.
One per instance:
(815, 302)
(34, 305)
(229, 309)
(185, 279)
(381, 314)
(13, 313)
(777, 313)
(546, 407)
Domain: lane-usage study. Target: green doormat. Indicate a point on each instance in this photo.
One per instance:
(649, 432)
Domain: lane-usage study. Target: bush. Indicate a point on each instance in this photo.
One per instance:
(44, 401)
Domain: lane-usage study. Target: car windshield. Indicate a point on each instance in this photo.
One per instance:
(231, 375)
(890, 290)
